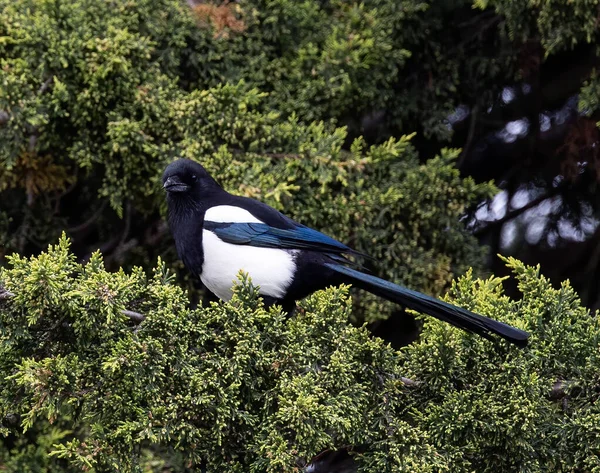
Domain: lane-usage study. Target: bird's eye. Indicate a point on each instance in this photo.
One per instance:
(194, 178)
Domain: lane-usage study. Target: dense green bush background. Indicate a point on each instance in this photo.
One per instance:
(98, 108)
(311, 107)
(236, 387)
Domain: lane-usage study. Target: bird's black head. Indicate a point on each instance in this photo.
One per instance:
(187, 178)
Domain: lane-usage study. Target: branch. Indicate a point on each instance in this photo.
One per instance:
(477, 19)
(156, 232)
(5, 293)
(85, 225)
(135, 316)
(270, 155)
(557, 392)
(114, 242)
(44, 87)
(515, 213)
(282, 155)
(409, 382)
(33, 138)
(470, 135)
(4, 117)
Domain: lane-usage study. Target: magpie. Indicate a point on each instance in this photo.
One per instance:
(217, 234)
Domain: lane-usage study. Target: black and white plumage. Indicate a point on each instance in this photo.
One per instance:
(218, 234)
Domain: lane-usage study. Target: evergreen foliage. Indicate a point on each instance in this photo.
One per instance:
(236, 387)
(271, 96)
(559, 25)
(96, 106)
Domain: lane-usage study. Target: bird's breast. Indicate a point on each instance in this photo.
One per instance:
(188, 242)
(271, 269)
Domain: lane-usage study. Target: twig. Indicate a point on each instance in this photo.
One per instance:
(271, 155)
(470, 136)
(44, 87)
(283, 155)
(122, 249)
(409, 382)
(127, 223)
(160, 230)
(5, 293)
(23, 232)
(33, 138)
(89, 221)
(477, 19)
(135, 316)
(113, 243)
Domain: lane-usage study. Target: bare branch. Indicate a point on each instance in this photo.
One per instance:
(33, 138)
(90, 221)
(515, 213)
(44, 87)
(5, 293)
(409, 382)
(135, 316)
(115, 242)
(156, 232)
(470, 136)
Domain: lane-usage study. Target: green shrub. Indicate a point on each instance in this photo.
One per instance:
(97, 97)
(96, 109)
(236, 387)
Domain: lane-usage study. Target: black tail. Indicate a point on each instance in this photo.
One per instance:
(461, 318)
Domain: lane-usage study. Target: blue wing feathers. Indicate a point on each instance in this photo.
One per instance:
(263, 235)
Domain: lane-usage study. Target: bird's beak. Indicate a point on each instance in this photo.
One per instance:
(173, 184)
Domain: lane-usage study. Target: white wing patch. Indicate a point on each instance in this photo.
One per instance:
(229, 214)
(270, 268)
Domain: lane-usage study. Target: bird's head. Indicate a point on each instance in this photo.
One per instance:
(186, 178)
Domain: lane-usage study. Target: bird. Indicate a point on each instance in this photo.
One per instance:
(217, 234)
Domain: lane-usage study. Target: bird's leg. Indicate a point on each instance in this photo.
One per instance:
(269, 301)
(288, 307)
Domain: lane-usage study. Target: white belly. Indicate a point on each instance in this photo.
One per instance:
(271, 269)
